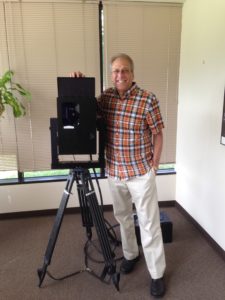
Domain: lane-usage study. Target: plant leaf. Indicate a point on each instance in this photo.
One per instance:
(22, 91)
(8, 94)
(6, 77)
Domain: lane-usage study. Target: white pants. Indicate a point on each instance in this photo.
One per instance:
(142, 191)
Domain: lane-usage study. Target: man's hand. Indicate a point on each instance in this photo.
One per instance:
(157, 144)
(76, 74)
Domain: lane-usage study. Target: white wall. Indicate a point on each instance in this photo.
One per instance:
(41, 196)
(200, 156)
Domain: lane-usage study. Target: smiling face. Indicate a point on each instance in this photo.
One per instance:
(122, 75)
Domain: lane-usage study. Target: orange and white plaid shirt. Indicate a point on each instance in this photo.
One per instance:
(130, 123)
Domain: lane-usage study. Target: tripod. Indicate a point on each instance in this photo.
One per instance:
(91, 215)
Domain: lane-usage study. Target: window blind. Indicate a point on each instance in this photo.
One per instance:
(150, 34)
(8, 157)
(41, 41)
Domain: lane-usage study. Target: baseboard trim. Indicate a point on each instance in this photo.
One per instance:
(208, 238)
(68, 210)
(44, 212)
(169, 203)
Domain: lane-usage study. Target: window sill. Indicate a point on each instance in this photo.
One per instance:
(64, 178)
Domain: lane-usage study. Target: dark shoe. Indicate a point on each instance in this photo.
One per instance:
(127, 266)
(158, 287)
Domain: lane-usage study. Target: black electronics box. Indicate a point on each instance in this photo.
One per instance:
(76, 111)
(166, 226)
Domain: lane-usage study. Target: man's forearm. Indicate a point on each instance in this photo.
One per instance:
(157, 148)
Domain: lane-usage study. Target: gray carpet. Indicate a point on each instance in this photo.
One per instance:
(194, 270)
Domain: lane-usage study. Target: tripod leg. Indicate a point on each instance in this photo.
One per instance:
(85, 212)
(55, 230)
(98, 219)
(110, 266)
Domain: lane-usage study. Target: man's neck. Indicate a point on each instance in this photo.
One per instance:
(123, 93)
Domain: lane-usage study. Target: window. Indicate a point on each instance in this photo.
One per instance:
(43, 40)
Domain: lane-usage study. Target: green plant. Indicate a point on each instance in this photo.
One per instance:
(9, 92)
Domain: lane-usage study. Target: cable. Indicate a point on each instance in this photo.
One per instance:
(106, 234)
(66, 276)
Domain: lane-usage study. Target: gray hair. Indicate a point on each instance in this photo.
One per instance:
(125, 56)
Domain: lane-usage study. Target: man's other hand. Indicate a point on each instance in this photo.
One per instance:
(76, 74)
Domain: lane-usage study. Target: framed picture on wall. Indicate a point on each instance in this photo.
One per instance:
(222, 141)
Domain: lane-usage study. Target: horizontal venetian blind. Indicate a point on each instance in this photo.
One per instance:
(8, 147)
(150, 34)
(44, 41)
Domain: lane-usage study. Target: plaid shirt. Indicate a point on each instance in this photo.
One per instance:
(130, 123)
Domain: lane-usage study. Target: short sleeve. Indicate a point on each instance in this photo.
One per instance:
(153, 115)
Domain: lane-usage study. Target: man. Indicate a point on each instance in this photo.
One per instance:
(133, 148)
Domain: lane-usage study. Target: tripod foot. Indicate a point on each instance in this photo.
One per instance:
(41, 274)
(116, 280)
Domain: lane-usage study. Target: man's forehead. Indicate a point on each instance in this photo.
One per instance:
(120, 62)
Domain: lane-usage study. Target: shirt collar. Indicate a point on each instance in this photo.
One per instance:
(128, 92)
